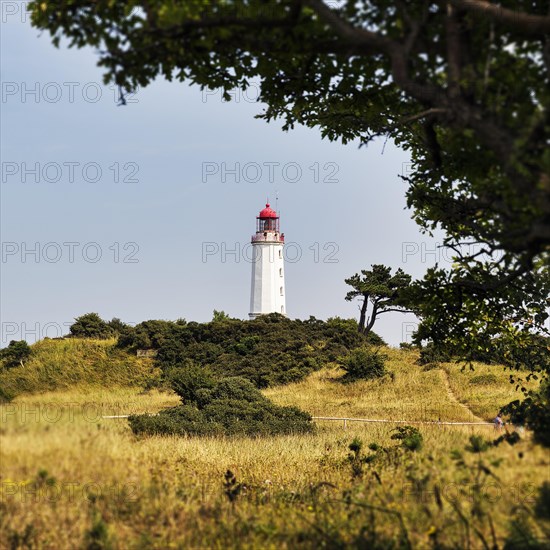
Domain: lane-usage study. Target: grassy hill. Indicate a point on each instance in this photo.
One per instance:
(64, 465)
(410, 391)
(63, 364)
(268, 351)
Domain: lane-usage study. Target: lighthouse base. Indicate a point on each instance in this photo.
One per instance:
(253, 316)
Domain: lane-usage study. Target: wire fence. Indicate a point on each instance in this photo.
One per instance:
(345, 420)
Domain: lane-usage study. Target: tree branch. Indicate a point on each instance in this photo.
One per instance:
(350, 33)
(524, 23)
(495, 284)
(417, 116)
(453, 52)
(395, 309)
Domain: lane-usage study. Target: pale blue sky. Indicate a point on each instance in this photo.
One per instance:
(175, 208)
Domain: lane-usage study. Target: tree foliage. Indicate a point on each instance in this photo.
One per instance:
(15, 353)
(381, 290)
(534, 412)
(219, 316)
(507, 324)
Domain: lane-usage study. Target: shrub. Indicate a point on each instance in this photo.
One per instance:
(363, 364)
(409, 436)
(5, 395)
(180, 420)
(433, 354)
(229, 406)
(407, 346)
(191, 382)
(91, 325)
(256, 417)
(374, 340)
(484, 379)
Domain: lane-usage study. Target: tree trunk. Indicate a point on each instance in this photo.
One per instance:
(372, 319)
(363, 315)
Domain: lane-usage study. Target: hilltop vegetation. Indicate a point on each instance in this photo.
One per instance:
(269, 350)
(62, 364)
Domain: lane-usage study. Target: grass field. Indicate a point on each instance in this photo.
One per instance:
(72, 479)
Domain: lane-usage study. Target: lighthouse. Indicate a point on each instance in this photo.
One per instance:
(268, 274)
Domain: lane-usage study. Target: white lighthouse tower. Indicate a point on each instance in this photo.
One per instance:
(268, 272)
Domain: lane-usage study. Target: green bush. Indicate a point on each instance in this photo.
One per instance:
(483, 379)
(408, 346)
(5, 395)
(268, 351)
(363, 364)
(409, 436)
(229, 406)
(180, 420)
(91, 325)
(433, 354)
(191, 382)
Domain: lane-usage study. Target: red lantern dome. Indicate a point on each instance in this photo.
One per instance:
(267, 212)
(267, 226)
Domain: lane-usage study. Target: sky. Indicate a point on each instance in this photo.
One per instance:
(145, 211)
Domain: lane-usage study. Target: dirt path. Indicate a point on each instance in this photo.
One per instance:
(453, 398)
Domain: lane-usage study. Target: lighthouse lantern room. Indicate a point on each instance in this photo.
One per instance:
(268, 276)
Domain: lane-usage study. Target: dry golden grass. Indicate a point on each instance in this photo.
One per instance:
(413, 394)
(167, 492)
(62, 364)
(485, 398)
